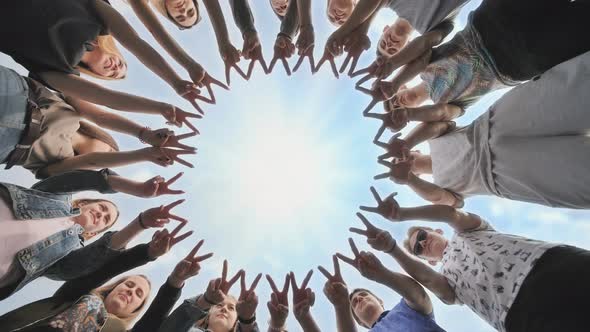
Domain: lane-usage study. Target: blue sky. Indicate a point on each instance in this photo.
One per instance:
(283, 164)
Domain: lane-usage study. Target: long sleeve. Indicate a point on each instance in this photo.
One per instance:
(242, 15)
(76, 181)
(290, 23)
(128, 260)
(159, 309)
(184, 317)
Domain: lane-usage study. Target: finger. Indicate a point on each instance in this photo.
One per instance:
(386, 163)
(218, 83)
(311, 63)
(286, 285)
(191, 126)
(293, 282)
(255, 282)
(173, 205)
(193, 252)
(361, 71)
(370, 106)
(179, 238)
(373, 116)
(183, 146)
(196, 106)
(286, 66)
(173, 179)
(177, 229)
(210, 92)
(320, 63)
(345, 259)
(183, 162)
(380, 132)
(369, 209)
(336, 266)
(364, 90)
(345, 63)
(353, 247)
(240, 71)
(200, 97)
(177, 218)
(235, 278)
(250, 69)
(324, 272)
(263, 64)
(272, 284)
(224, 271)
(355, 61)
(299, 62)
(365, 221)
(243, 282)
(381, 144)
(385, 155)
(390, 197)
(358, 231)
(375, 194)
(306, 280)
(272, 63)
(203, 257)
(227, 74)
(364, 79)
(334, 69)
(185, 136)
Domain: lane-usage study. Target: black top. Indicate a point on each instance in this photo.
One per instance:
(46, 35)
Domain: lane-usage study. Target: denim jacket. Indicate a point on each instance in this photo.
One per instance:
(61, 256)
(184, 317)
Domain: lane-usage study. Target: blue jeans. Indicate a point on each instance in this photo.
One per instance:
(14, 93)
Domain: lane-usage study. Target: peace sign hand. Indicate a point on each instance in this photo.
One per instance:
(355, 44)
(303, 297)
(162, 241)
(166, 156)
(153, 187)
(175, 116)
(248, 300)
(399, 172)
(305, 46)
(252, 50)
(218, 288)
(208, 81)
(189, 91)
(377, 238)
(160, 216)
(365, 262)
(278, 306)
(335, 288)
(283, 49)
(396, 147)
(381, 68)
(231, 56)
(188, 267)
(388, 208)
(330, 58)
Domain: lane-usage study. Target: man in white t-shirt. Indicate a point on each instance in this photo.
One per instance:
(513, 283)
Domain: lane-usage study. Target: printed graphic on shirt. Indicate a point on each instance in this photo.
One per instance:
(88, 314)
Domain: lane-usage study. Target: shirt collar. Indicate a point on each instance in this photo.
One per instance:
(383, 314)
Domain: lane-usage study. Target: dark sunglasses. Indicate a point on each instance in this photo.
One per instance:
(421, 236)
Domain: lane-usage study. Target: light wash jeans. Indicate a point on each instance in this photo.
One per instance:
(14, 93)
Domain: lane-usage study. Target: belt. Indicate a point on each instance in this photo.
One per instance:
(31, 133)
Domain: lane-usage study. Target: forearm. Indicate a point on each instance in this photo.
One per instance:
(412, 69)
(121, 238)
(431, 192)
(431, 213)
(158, 309)
(344, 320)
(77, 181)
(425, 131)
(304, 11)
(243, 15)
(290, 23)
(104, 119)
(151, 22)
(416, 47)
(217, 20)
(93, 161)
(413, 293)
(434, 113)
(363, 11)
(308, 324)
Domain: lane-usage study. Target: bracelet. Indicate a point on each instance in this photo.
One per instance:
(247, 321)
(392, 248)
(282, 34)
(276, 329)
(140, 217)
(141, 131)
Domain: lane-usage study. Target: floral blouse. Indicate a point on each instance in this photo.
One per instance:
(88, 314)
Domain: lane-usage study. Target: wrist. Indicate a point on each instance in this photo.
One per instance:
(275, 326)
(247, 321)
(140, 221)
(141, 134)
(202, 303)
(390, 250)
(175, 281)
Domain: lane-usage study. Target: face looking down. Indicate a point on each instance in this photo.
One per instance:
(96, 216)
(105, 64)
(428, 244)
(366, 307)
(394, 37)
(183, 12)
(127, 296)
(339, 11)
(279, 6)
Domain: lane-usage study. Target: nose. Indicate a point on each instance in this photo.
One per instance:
(223, 309)
(423, 244)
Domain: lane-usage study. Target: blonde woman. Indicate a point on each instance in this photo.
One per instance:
(79, 35)
(80, 306)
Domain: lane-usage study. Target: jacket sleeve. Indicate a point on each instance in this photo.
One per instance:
(184, 317)
(85, 260)
(290, 23)
(76, 181)
(128, 260)
(242, 15)
(158, 310)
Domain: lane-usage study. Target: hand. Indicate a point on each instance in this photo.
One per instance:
(396, 147)
(162, 241)
(188, 267)
(388, 208)
(330, 58)
(278, 306)
(160, 216)
(365, 262)
(196, 73)
(165, 137)
(376, 97)
(252, 50)
(355, 44)
(248, 300)
(377, 238)
(399, 172)
(381, 68)
(176, 116)
(218, 288)
(335, 43)
(231, 56)
(394, 121)
(189, 91)
(305, 44)
(154, 187)
(208, 81)
(303, 297)
(283, 49)
(335, 288)
(165, 156)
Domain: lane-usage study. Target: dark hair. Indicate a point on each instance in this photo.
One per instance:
(357, 290)
(98, 133)
(161, 7)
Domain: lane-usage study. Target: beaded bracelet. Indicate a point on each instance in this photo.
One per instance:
(141, 132)
(140, 217)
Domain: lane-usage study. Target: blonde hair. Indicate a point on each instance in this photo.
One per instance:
(107, 44)
(204, 322)
(76, 203)
(98, 133)
(160, 6)
(411, 231)
(105, 290)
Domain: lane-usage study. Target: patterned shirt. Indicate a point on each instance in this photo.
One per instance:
(88, 314)
(461, 71)
(486, 269)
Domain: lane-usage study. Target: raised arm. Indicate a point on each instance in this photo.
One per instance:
(433, 193)
(362, 12)
(290, 23)
(337, 293)
(303, 300)
(243, 17)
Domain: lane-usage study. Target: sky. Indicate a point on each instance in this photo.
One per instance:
(282, 166)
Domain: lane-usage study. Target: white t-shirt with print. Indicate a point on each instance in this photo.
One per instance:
(487, 268)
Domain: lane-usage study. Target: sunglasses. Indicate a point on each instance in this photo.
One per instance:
(421, 236)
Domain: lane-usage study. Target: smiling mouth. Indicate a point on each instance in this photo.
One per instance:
(124, 297)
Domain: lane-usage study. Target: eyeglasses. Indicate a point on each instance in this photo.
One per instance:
(421, 236)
